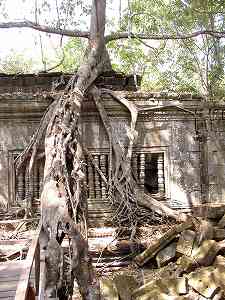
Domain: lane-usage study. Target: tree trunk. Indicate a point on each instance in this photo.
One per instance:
(63, 190)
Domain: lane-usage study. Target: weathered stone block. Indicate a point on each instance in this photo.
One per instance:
(203, 282)
(108, 290)
(169, 288)
(145, 289)
(219, 261)
(221, 223)
(209, 210)
(205, 254)
(168, 271)
(161, 243)
(165, 255)
(204, 231)
(125, 285)
(201, 256)
(185, 264)
(219, 234)
(176, 286)
(219, 276)
(219, 295)
(156, 294)
(186, 242)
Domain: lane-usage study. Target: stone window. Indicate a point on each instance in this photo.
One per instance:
(148, 169)
(154, 173)
(19, 183)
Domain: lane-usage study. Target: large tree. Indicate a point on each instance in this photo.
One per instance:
(63, 195)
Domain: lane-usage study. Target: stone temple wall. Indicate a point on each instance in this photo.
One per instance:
(179, 153)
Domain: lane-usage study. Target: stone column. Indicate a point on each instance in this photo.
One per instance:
(134, 165)
(85, 172)
(36, 182)
(97, 178)
(160, 169)
(142, 170)
(103, 163)
(29, 185)
(20, 187)
(40, 175)
(91, 188)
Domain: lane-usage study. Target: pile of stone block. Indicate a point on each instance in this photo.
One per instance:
(187, 262)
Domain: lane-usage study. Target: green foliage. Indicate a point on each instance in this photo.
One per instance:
(15, 63)
(128, 56)
(195, 65)
(73, 54)
(60, 13)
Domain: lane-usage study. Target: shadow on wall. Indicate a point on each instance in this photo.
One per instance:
(186, 185)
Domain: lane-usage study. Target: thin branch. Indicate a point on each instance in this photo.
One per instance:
(198, 64)
(129, 20)
(55, 66)
(112, 36)
(120, 13)
(42, 53)
(57, 9)
(36, 11)
(147, 45)
(44, 28)
(59, 63)
(150, 36)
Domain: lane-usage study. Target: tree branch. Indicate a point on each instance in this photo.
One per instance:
(112, 36)
(43, 28)
(150, 36)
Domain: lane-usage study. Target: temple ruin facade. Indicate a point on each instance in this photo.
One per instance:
(179, 155)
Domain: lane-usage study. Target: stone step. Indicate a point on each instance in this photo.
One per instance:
(209, 210)
(100, 223)
(101, 232)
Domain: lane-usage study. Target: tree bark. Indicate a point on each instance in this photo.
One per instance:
(160, 208)
(63, 190)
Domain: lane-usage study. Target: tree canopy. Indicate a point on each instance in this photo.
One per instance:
(175, 45)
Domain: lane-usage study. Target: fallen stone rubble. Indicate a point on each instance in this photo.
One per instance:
(189, 262)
